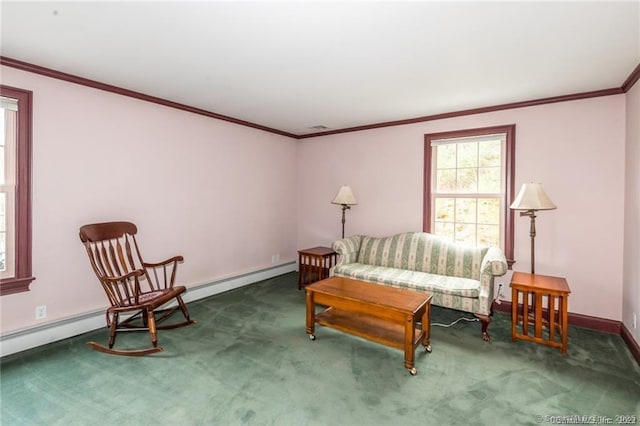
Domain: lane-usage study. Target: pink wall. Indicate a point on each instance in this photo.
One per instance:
(576, 149)
(225, 196)
(631, 287)
(220, 194)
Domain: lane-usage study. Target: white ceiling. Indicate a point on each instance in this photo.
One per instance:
(294, 65)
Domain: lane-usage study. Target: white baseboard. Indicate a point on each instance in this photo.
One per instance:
(22, 340)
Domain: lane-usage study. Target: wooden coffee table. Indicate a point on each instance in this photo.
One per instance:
(375, 312)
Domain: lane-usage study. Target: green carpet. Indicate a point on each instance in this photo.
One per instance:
(249, 361)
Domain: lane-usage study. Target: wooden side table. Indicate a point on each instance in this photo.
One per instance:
(314, 264)
(526, 309)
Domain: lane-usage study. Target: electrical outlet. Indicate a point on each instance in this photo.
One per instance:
(41, 312)
(275, 258)
(635, 321)
(498, 298)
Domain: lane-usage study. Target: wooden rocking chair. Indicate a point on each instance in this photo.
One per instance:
(137, 290)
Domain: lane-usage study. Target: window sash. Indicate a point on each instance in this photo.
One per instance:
(465, 139)
(435, 221)
(8, 269)
(456, 194)
(8, 187)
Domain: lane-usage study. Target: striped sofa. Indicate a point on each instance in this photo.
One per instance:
(459, 277)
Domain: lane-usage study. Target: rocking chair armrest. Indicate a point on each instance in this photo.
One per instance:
(134, 273)
(164, 262)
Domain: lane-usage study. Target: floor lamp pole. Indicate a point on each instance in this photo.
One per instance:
(532, 234)
(344, 208)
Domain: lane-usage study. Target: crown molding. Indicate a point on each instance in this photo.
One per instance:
(512, 105)
(631, 80)
(36, 69)
(25, 66)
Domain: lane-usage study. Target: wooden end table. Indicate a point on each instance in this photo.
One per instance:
(314, 264)
(526, 310)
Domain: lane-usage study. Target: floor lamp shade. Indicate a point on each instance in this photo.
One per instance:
(346, 199)
(345, 196)
(530, 199)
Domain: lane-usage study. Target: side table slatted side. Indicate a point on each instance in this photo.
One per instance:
(314, 264)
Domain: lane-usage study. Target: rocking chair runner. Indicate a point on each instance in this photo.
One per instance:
(136, 290)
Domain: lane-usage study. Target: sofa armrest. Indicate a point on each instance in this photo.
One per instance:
(494, 263)
(347, 249)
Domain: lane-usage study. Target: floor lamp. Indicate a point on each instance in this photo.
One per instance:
(346, 199)
(530, 199)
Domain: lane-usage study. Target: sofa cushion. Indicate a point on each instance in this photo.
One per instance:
(415, 280)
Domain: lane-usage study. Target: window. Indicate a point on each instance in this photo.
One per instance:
(8, 130)
(15, 190)
(468, 181)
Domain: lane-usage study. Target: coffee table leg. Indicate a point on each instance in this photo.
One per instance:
(426, 328)
(311, 315)
(409, 352)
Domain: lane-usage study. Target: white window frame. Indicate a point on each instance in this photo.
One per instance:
(500, 196)
(507, 216)
(8, 183)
